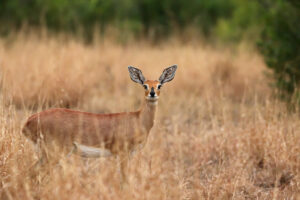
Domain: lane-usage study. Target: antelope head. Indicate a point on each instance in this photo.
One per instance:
(152, 87)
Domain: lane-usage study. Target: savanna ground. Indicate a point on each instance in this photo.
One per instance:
(219, 132)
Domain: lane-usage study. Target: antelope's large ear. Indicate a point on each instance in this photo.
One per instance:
(168, 74)
(136, 75)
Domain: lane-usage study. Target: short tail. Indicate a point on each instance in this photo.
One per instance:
(30, 130)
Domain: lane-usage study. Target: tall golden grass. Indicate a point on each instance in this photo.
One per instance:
(219, 132)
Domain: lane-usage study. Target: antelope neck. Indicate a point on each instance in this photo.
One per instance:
(147, 114)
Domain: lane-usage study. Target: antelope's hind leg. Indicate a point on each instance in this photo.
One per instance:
(89, 152)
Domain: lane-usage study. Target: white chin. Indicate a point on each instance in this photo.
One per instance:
(152, 98)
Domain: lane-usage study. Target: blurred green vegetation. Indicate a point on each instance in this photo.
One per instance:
(274, 23)
(229, 20)
(280, 45)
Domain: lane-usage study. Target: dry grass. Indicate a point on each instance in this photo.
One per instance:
(219, 133)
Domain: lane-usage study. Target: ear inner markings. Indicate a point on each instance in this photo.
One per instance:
(168, 74)
(136, 75)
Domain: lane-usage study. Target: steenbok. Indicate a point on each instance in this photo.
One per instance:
(96, 135)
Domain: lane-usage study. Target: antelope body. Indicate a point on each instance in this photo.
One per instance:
(115, 133)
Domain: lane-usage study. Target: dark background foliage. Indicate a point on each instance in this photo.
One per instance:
(280, 46)
(141, 17)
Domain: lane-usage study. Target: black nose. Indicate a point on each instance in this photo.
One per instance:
(152, 93)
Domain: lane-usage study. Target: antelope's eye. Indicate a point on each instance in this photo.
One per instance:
(159, 86)
(146, 87)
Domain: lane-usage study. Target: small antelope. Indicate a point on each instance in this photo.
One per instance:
(97, 135)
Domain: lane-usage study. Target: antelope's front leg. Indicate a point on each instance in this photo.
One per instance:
(123, 164)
